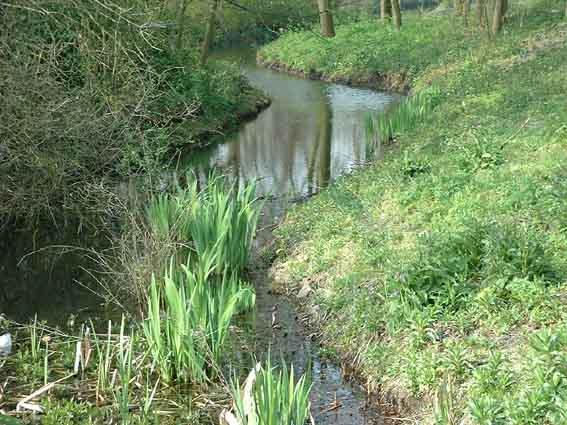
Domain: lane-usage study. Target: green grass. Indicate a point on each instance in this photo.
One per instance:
(369, 51)
(450, 255)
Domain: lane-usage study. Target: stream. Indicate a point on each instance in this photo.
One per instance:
(311, 133)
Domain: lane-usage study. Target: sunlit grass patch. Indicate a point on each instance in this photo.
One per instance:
(461, 246)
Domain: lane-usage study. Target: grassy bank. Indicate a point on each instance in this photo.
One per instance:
(369, 53)
(440, 272)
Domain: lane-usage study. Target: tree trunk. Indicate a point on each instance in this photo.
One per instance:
(326, 18)
(497, 17)
(466, 10)
(397, 13)
(458, 7)
(210, 32)
(386, 10)
(181, 9)
(480, 13)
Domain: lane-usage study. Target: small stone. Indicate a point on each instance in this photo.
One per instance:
(304, 291)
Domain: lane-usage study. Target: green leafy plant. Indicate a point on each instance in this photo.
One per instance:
(217, 223)
(404, 117)
(272, 397)
(189, 314)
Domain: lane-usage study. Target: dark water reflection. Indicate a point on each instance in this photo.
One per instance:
(46, 272)
(311, 133)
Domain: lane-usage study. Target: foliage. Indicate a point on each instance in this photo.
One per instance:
(273, 397)
(93, 90)
(218, 222)
(187, 339)
(216, 226)
(254, 21)
(449, 255)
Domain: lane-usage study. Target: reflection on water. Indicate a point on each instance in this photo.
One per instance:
(40, 271)
(311, 133)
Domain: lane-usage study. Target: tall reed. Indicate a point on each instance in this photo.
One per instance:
(272, 397)
(104, 353)
(191, 306)
(125, 372)
(219, 220)
(383, 128)
(189, 315)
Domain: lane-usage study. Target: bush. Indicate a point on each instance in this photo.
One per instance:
(92, 90)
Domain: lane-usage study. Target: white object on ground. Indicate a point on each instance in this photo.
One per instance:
(5, 345)
(227, 418)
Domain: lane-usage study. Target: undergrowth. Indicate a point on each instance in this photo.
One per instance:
(93, 91)
(170, 366)
(443, 277)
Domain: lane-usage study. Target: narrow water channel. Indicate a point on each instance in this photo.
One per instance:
(311, 133)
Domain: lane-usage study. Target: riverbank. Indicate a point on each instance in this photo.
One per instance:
(439, 272)
(370, 54)
(248, 106)
(90, 116)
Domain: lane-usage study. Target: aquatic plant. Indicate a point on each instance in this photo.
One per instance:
(372, 143)
(125, 367)
(272, 396)
(224, 220)
(163, 212)
(383, 128)
(104, 351)
(217, 222)
(188, 319)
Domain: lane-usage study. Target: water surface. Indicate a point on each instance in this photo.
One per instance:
(311, 133)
